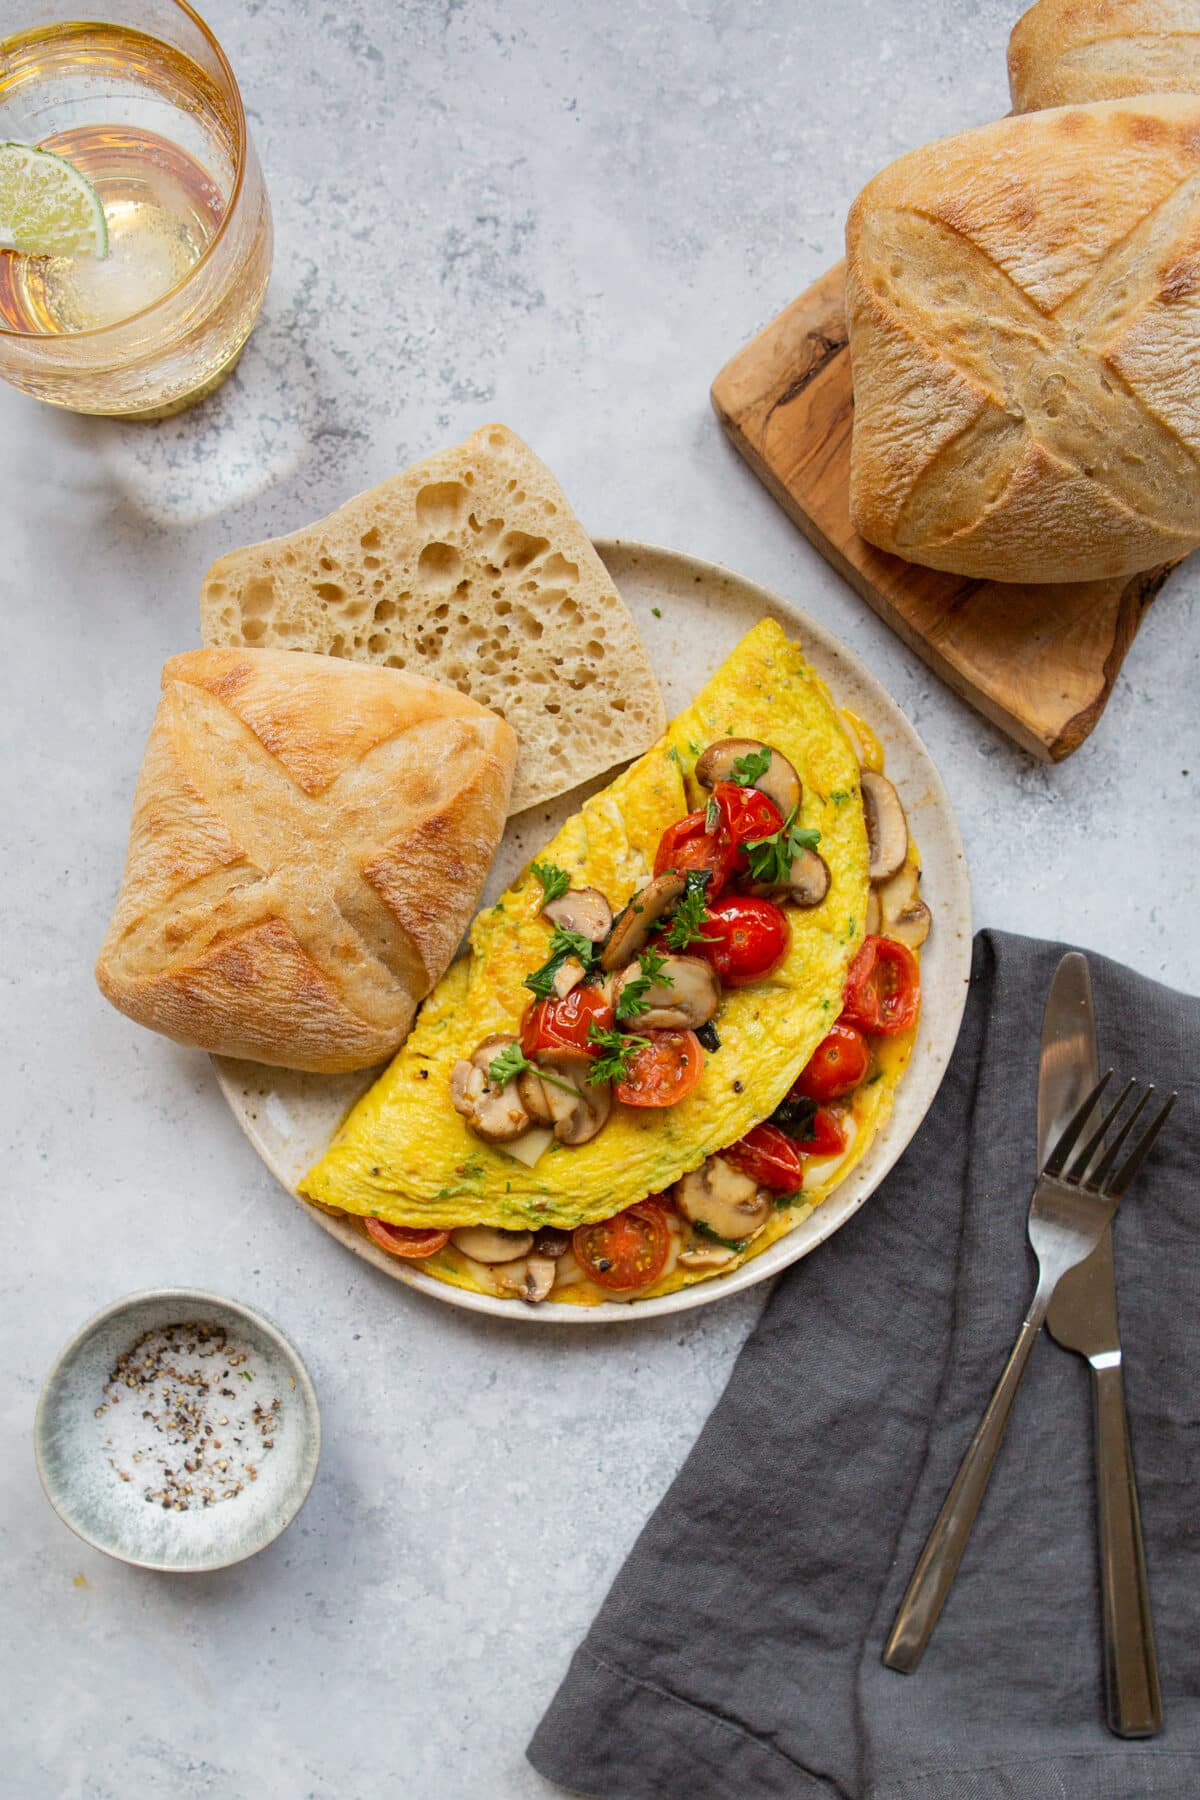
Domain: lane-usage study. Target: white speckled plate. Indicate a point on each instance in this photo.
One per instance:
(691, 614)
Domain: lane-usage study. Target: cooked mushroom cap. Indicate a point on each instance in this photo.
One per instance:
(568, 975)
(533, 1097)
(631, 933)
(530, 1279)
(778, 781)
(486, 1245)
(685, 995)
(874, 918)
(721, 1197)
(552, 1242)
(581, 909)
(807, 884)
(580, 1113)
(902, 912)
(494, 1113)
(706, 1256)
(887, 828)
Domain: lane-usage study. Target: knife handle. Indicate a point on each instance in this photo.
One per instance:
(1130, 1663)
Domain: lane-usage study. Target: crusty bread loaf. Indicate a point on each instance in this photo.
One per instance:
(471, 568)
(1024, 309)
(1067, 52)
(309, 841)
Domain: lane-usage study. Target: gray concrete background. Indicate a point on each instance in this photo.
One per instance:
(565, 217)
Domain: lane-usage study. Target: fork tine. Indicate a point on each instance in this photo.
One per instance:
(1082, 1162)
(1140, 1151)
(1108, 1160)
(1070, 1132)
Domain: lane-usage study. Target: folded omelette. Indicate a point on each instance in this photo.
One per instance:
(404, 1155)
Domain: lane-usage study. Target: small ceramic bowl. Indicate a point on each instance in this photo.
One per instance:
(82, 1442)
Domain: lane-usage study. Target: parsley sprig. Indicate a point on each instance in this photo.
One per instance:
(555, 881)
(618, 1049)
(771, 858)
(632, 1002)
(513, 1062)
(691, 912)
(705, 1231)
(563, 944)
(752, 767)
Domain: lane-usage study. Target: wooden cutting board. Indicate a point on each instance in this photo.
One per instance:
(1038, 661)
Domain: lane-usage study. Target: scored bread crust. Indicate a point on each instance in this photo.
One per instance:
(1024, 310)
(1068, 52)
(308, 845)
(471, 568)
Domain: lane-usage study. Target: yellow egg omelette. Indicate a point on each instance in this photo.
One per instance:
(405, 1155)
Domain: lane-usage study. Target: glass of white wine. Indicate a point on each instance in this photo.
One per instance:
(137, 96)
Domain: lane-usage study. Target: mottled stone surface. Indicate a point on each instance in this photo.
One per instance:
(564, 217)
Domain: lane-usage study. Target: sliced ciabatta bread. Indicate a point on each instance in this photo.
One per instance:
(472, 569)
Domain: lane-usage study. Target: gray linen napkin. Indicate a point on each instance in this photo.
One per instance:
(738, 1653)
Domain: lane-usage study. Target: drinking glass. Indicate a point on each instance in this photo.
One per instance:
(139, 95)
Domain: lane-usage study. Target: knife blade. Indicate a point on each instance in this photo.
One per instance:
(1083, 1318)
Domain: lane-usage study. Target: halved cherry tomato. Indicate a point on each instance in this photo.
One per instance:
(747, 938)
(406, 1240)
(668, 1068)
(836, 1066)
(769, 1157)
(688, 844)
(828, 1138)
(629, 1250)
(566, 1024)
(883, 988)
(746, 814)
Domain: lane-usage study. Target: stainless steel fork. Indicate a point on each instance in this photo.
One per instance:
(1071, 1206)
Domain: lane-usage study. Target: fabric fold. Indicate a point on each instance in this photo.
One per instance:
(738, 1652)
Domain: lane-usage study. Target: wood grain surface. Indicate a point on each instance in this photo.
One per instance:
(1039, 661)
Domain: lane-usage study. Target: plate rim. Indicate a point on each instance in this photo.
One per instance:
(797, 1244)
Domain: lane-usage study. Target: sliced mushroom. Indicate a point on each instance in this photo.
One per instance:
(533, 1097)
(578, 1107)
(581, 909)
(684, 995)
(778, 781)
(806, 885)
(874, 918)
(633, 927)
(568, 975)
(486, 1245)
(552, 1242)
(903, 914)
(494, 1113)
(706, 1256)
(530, 1279)
(887, 828)
(721, 1197)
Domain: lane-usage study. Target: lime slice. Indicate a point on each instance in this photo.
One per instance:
(47, 208)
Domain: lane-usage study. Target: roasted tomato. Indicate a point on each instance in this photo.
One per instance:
(836, 1066)
(769, 1157)
(746, 814)
(745, 938)
(565, 1024)
(628, 1251)
(406, 1240)
(828, 1138)
(664, 1071)
(883, 988)
(688, 844)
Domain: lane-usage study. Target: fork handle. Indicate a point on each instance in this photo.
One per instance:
(1130, 1663)
(938, 1562)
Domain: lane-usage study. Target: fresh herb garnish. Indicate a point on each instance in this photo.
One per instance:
(675, 757)
(771, 858)
(782, 1200)
(657, 611)
(555, 881)
(513, 1062)
(563, 944)
(714, 1237)
(839, 796)
(691, 912)
(618, 1050)
(750, 768)
(712, 814)
(707, 1034)
(632, 1002)
(796, 1118)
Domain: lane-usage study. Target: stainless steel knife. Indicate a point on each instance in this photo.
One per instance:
(1083, 1318)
